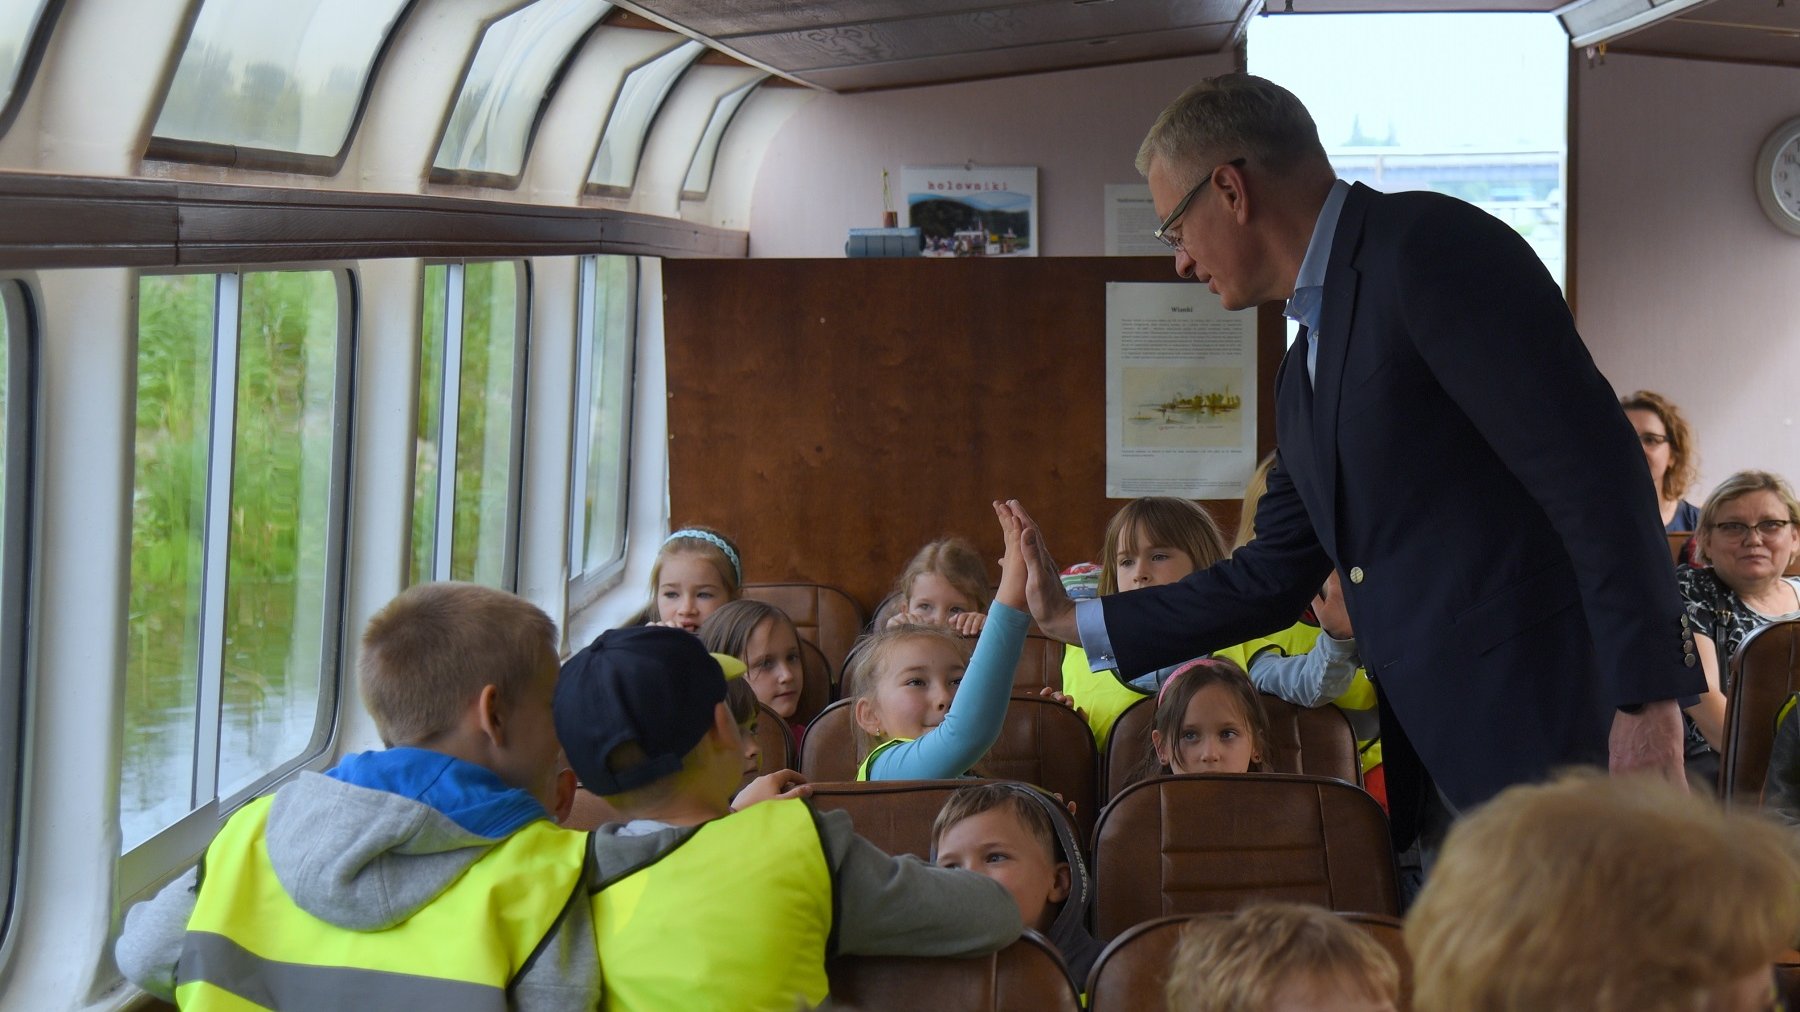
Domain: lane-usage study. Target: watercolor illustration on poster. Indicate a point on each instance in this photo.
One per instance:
(972, 210)
(1180, 392)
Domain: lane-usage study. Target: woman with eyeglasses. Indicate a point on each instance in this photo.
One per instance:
(1748, 533)
(1669, 449)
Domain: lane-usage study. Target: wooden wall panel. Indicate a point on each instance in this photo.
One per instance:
(834, 415)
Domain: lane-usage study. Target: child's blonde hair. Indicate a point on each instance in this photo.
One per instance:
(427, 654)
(1182, 685)
(710, 545)
(1240, 963)
(867, 660)
(1253, 493)
(1166, 521)
(959, 565)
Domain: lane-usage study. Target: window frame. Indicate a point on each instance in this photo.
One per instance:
(176, 845)
(500, 180)
(16, 552)
(30, 58)
(449, 401)
(593, 189)
(235, 156)
(586, 585)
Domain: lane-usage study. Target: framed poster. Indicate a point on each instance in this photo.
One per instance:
(972, 211)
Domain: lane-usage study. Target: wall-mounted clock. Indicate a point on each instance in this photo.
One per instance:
(1778, 177)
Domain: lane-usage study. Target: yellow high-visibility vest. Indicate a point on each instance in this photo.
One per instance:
(862, 768)
(737, 916)
(249, 946)
(1357, 702)
(1099, 694)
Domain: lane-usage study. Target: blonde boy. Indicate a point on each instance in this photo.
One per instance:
(428, 873)
(1013, 834)
(1281, 957)
(696, 906)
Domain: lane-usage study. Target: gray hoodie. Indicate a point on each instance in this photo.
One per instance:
(364, 859)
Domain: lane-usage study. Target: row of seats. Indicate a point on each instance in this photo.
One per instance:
(1130, 974)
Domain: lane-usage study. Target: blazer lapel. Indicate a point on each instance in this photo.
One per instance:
(1336, 316)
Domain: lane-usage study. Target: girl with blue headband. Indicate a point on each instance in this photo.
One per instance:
(696, 570)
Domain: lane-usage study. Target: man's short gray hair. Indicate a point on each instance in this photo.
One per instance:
(1234, 116)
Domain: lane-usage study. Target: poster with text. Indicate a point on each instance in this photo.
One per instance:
(1131, 222)
(972, 211)
(1180, 392)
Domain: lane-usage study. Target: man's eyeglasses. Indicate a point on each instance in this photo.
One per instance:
(1741, 532)
(1162, 231)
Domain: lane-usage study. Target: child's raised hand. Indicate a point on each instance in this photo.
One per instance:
(1012, 564)
(772, 787)
(967, 623)
(1050, 604)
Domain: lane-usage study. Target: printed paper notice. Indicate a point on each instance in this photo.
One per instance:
(1131, 222)
(1180, 393)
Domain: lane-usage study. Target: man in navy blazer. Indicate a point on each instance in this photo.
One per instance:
(1445, 442)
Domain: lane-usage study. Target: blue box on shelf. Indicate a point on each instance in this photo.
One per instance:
(884, 242)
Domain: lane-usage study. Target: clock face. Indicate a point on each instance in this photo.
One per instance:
(1778, 177)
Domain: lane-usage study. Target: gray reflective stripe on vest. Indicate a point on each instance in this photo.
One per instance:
(216, 960)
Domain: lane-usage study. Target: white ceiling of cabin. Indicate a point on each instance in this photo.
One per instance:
(858, 45)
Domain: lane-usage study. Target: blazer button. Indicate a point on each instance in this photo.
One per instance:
(1356, 574)
(1691, 660)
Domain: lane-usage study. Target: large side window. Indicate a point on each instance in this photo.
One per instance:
(470, 431)
(236, 547)
(273, 85)
(602, 444)
(15, 467)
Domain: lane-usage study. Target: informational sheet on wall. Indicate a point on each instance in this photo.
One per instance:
(1180, 392)
(1131, 222)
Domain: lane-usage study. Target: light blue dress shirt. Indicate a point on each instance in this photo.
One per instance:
(1303, 307)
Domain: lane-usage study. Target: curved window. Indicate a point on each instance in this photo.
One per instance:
(642, 94)
(237, 526)
(602, 420)
(700, 169)
(18, 31)
(508, 85)
(471, 374)
(15, 468)
(282, 78)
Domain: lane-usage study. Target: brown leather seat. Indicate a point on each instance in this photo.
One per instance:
(1040, 665)
(1027, 974)
(1194, 844)
(1132, 972)
(1041, 742)
(820, 687)
(776, 741)
(1764, 670)
(1316, 740)
(823, 615)
(895, 815)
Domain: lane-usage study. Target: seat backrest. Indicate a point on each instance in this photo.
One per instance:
(1193, 844)
(1677, 543)
(824, 615)
(1764, 670)
(1040, 664)
(895, 815)
(1315, 740)
(1045, 743)
(1126, 749)
(1027, 974)
(1133, 971)
(828, 748)
(820, 687)
(775, 740)
(1041, 742)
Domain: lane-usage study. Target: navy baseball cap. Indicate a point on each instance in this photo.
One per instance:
(652, 685)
